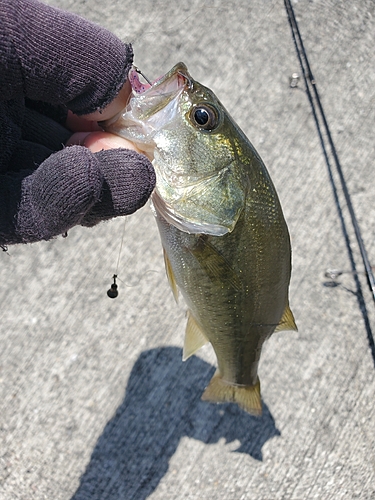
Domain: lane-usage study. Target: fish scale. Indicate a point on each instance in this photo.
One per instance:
(226, 243)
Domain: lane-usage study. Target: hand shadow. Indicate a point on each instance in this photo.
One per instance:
(162, 404)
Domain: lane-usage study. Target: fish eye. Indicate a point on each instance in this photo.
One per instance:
(204, 117)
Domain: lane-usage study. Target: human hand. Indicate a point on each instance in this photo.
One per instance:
(51, 62)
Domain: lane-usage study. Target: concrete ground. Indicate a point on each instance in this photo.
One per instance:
(95, 402)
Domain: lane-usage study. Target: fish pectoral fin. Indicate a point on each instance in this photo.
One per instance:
(247, 397)
(287, 321)
(170, 276)
(194, 337)
(215, 265)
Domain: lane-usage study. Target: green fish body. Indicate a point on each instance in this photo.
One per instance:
(226, 243)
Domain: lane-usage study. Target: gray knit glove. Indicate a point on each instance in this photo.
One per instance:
(52, 61)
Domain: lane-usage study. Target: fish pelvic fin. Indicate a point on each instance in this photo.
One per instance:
(170, 276)
(287, 321)
(194, 337)
(247, 397)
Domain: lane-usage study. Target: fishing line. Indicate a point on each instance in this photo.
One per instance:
(122, 241)
(139, 279)
(113, 291)
(175, 27)
(165, 31)
(316, 107)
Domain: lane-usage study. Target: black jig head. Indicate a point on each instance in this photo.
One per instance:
(113, 292)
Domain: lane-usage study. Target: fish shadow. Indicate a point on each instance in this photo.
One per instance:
(162, 404)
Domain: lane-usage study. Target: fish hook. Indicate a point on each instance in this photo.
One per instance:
(140, 73)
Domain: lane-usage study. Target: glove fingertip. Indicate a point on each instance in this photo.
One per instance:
(130, 179)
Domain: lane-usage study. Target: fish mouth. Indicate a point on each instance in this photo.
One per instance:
(150, 107)
(177, 78)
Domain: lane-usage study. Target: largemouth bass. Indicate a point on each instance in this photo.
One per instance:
(226, 244)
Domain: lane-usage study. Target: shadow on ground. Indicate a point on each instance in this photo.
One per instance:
(162, 404)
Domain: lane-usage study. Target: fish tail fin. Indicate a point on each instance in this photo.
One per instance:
(247, 397)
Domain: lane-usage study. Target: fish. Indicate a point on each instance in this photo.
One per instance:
(225, 241)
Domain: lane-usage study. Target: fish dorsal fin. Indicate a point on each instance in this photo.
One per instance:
(247, 397)
(194, 337)
(287, 321)
(170, 276)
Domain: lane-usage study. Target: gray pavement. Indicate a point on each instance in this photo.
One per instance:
(95, 402)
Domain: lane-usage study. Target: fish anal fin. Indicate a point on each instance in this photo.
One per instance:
(247, 397)
(194, 337)
(170, 276)
(287, 321)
